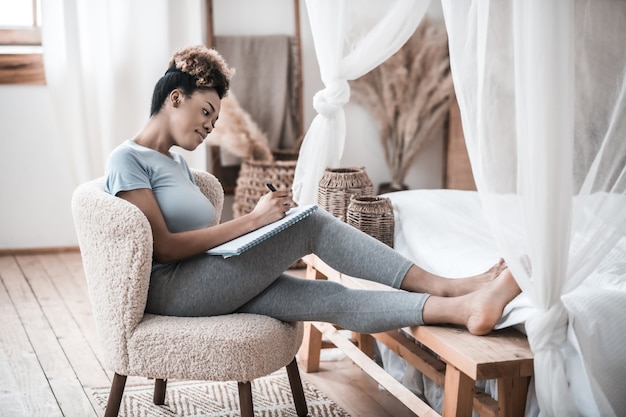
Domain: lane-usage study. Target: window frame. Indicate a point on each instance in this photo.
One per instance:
(21, 68)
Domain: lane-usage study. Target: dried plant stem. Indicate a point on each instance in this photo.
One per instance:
(409, 96)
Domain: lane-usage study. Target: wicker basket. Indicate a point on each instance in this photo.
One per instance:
(252, 179)
(374, 216)
(338, 185)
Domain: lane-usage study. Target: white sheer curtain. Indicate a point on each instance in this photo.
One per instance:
(351, 38)
(541, 89)
(102, 59)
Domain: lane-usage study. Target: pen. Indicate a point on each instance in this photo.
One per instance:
(271, 186)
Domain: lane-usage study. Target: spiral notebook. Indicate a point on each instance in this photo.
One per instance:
(241, 244)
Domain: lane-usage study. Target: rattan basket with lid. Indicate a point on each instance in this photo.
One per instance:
(372, 215)
(338, 185)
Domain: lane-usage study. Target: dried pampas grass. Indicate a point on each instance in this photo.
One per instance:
(409, 96)
(236, 132)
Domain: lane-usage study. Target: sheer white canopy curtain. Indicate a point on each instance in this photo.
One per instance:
(541, 89)
(102, 59)
(351, 38)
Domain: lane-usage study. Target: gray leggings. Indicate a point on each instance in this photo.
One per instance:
(255, 282)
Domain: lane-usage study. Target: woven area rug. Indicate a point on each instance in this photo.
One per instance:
(271, 396)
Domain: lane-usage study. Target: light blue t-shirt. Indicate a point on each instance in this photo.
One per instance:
(132, 166)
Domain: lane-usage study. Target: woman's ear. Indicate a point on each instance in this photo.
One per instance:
(175, 97)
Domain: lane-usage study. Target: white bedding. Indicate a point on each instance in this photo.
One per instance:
(445, 232)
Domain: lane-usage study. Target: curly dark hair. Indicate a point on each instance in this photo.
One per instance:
(190, 69)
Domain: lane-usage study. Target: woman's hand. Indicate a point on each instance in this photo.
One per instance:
(272, 206)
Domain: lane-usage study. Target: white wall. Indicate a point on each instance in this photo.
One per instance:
(36, 185)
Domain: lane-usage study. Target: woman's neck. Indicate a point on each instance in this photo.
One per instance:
(152, 136)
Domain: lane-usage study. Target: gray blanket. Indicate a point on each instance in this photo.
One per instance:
(266, 84)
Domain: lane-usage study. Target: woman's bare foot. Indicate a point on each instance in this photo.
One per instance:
(478, 311)
(486, 305)
(493, 272)
(418, 280)
(462, 286)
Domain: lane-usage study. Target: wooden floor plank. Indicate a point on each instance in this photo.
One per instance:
(45, 275)
(24, 388)
(78, 325)
(66, 388)
(354, 391)
(74, 288)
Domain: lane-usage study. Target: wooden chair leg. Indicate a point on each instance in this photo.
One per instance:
(245, 399)
(296, 388)
(159, 391)
(115, 396)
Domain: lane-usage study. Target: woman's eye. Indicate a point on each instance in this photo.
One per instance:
(205, 112)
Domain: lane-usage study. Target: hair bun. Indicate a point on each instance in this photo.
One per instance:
(205, 65)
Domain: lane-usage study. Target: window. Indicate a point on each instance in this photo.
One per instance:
(21, 60)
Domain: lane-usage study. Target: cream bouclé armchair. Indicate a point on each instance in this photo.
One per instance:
(115, 240)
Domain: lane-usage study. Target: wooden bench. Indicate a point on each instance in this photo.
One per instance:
(450, 356)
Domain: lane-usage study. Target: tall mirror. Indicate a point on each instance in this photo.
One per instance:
(262, 41)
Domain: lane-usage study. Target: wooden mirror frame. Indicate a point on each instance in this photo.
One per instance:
(228, 174)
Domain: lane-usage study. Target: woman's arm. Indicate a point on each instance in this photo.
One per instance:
(172, 247)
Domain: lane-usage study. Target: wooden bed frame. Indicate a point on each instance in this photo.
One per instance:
(458, 171)
(451, 357)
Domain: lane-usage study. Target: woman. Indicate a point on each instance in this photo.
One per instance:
(185, 281)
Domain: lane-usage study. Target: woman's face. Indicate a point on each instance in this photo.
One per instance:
(194, 117)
